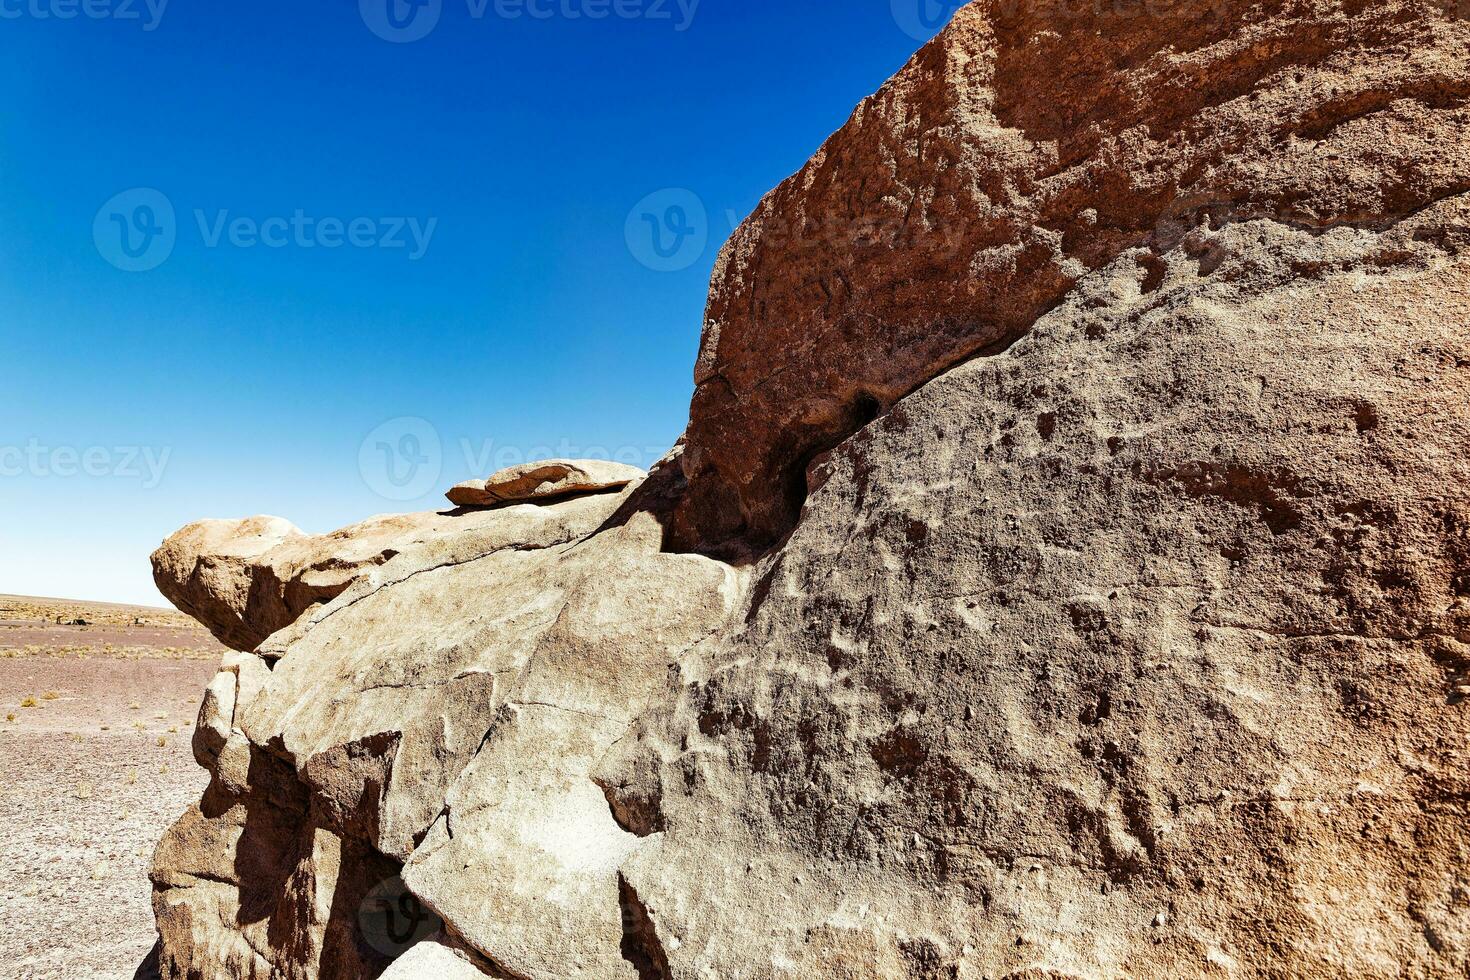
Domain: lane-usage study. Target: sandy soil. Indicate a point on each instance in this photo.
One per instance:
(94, 766)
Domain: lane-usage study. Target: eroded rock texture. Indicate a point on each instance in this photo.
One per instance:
(1138, 650)
(1103, 598)
(1029, 145)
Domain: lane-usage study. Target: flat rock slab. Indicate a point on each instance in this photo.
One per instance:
(544, 480)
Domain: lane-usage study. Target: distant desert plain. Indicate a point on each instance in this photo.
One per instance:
(97, 707)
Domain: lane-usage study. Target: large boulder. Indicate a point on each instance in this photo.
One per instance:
(365, 732)
(1140, 649)
(1090, 590)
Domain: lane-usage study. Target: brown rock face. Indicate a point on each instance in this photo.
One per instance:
(1026, 146)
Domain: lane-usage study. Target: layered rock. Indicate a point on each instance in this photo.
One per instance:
(1103, 597)
(246, 580)
(545, 480)
(339, 745)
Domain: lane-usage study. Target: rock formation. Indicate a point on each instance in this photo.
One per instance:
(518, 647)
(1066, 572)
(1030, 145)
(246, 580)
(544, 481)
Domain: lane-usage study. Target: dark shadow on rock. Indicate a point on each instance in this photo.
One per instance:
(148, 969)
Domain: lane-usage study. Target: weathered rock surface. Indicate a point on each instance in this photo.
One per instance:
(436, 959)
(1104, 607)
(546, 480)
(347, 746)
(1029, 145)
(1164, 614)
(248, 579)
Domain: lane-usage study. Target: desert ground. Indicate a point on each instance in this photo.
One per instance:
(97, 706)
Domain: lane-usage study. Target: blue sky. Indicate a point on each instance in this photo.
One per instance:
(311, 260)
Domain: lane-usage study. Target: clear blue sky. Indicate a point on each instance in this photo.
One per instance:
(444, 228)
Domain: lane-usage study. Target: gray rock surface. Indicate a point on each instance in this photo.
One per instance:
(1137, 650)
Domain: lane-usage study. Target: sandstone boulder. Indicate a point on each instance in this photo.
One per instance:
(478, 647)
(1138, 650)
(208, 570)
(547, 480)
(248, 579)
